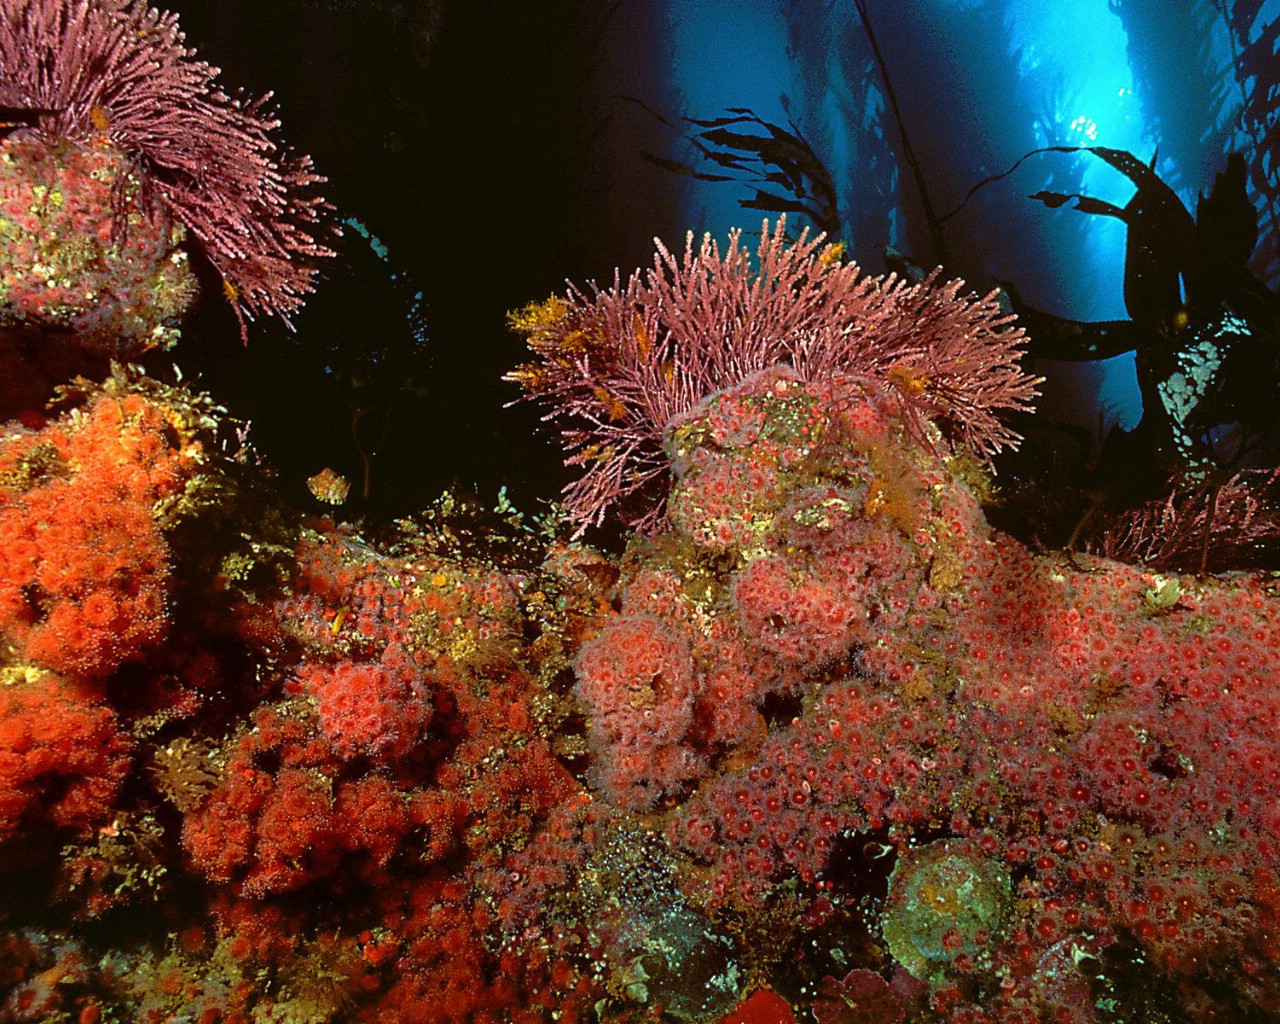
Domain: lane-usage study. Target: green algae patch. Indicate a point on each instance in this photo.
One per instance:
(947, 907)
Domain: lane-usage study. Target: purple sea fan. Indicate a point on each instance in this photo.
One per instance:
(622, 363)
(117, 71)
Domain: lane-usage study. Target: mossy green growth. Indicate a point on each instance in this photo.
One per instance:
(947, 907)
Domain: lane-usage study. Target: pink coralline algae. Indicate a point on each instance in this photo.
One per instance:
(111, 83)
(621, 364)
(1238, 521)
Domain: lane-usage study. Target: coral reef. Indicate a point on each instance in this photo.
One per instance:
(818, 744)
(822, 744)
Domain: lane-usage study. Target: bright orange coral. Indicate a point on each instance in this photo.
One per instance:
(63, 757)
(84, 585)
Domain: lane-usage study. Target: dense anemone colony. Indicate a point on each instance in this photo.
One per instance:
(823, 735)
(816, 743)
(122, 283)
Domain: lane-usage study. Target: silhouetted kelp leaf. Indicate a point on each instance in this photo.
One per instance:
(778, 178)
(726, 160)
(775, 155)
(1257, 74)
(667, 164)
(1056, 337)
(1206, 338)
(1204, 328)
(775, 204)
(1085, 204)
(1052, 199)
(737, 140)
(1099, 207)
(1226, 224)
(1160, 251)
(678, 167)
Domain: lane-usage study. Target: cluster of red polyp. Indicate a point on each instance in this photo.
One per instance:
(326, 742)
(364, 773)
(77, 229)
(402, 759)
(67, 756)
(84, 587)
(637, 678)
(84, 581)
(1103, 736)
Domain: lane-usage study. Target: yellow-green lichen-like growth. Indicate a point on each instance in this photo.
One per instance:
(947, 907)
